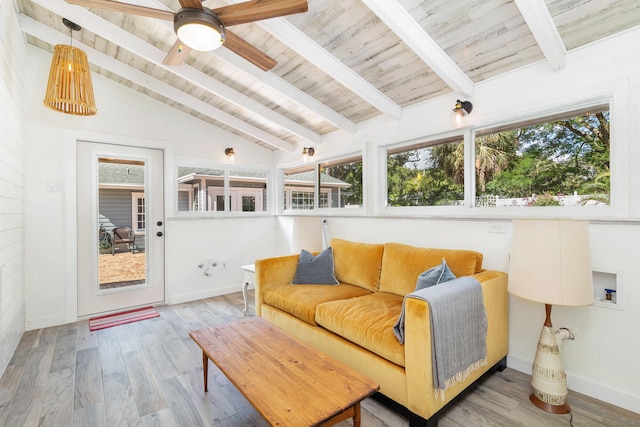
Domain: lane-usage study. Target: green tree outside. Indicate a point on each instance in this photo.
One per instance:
(547, 160)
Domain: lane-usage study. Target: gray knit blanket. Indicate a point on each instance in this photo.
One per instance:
(458, 330)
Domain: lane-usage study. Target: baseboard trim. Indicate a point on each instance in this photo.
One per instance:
(209, 293)
(44, 322)
(585, 386)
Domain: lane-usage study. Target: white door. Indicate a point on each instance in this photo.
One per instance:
(120, 227)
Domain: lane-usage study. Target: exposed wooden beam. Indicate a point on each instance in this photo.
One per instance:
(125, 8)
(117, 35)
(295, 39)
(287, 90)
(396, 17)
(51, 36)
(538, 18)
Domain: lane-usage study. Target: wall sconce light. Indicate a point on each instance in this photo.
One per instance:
(461, 112)
(307, 152)
(69, 89)
(230, 154)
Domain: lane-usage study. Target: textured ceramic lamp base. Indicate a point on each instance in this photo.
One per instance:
(549, 380)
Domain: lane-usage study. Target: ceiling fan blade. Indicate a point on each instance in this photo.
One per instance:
(248, 52)
(125, 8)
(256, 10)
(178, 53)
(193, 4)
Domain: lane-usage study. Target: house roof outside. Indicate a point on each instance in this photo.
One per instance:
(119, 174)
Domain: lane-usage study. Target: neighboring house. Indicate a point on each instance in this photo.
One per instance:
(203, 190)
(121, 198)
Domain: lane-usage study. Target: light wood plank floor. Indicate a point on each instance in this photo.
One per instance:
(150, 374)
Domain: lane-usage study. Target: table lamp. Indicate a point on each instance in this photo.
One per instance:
(550, 263)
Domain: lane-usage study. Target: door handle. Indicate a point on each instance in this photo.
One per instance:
(159, 223)
(159, 234)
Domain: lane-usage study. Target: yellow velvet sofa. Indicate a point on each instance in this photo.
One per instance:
(353, 321)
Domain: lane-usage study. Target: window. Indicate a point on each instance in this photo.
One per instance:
(138, 212)
(338, 184)
(341, 181)
(203, 189)
(558, 161)
(426, 174)
(240, 199)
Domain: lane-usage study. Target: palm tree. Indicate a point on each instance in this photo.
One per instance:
(493, 153)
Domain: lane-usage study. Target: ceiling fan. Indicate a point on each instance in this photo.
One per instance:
(201, 28)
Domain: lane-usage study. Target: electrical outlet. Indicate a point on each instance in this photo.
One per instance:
(497, 227)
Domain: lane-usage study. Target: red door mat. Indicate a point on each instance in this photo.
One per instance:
(122, 318)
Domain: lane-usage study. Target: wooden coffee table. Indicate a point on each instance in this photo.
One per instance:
(287, 381)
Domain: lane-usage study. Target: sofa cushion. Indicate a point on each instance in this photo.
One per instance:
(315, 270)
(358, 263)
(366, 321)
(301, 300)
(402, 264)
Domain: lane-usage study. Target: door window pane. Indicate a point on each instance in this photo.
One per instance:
(122, 223)
(248, 204)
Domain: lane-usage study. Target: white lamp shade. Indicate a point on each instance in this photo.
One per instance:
(551, 262)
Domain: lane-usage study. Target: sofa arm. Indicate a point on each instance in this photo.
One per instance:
(420, 392)
(271, 272)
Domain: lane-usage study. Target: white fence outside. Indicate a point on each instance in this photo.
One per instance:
(570, 200)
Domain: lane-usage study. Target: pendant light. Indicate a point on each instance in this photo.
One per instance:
(69, 89)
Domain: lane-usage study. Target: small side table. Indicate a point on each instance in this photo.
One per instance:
(249, 279)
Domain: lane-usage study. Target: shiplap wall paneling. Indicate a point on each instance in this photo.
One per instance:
(12, 60)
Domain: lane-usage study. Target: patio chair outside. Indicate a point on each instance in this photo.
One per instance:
(123, 235)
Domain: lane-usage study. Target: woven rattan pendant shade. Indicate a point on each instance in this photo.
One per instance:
(69, 89)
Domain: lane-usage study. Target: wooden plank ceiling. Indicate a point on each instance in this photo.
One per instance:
(338, 65)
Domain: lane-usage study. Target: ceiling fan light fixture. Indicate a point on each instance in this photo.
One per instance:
(199, 29)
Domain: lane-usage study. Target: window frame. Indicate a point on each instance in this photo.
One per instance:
(283, 193)
(227, 176)
(418, 144)
(135, 196)
(618, 145)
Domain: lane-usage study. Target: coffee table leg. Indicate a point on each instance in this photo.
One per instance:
(356, 415)
(205, 370)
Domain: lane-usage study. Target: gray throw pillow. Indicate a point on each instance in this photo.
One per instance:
(316, 270)
(438, 274)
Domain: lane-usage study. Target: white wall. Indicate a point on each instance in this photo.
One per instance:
(13, 58)
(229, 242)
(127, 117)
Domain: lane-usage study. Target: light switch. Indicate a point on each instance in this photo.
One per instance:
(55, 186)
